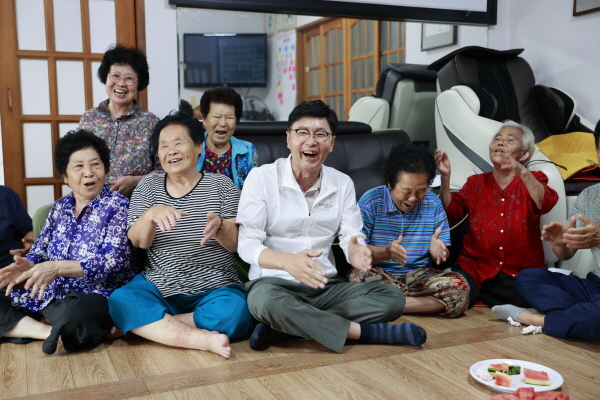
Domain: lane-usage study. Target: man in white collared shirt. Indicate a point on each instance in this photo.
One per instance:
(290, 213)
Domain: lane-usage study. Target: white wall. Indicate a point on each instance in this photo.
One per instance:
(466, 36)
(563, 51)
(161, 51)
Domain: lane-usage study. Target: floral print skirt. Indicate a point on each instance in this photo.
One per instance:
(449, 287)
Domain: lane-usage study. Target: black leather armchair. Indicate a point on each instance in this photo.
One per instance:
(358, 151)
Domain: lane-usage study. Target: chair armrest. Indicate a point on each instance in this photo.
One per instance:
(539, 162)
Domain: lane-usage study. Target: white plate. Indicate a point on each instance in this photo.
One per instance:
(517, 380)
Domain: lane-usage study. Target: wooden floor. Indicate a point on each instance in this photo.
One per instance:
(301, 369)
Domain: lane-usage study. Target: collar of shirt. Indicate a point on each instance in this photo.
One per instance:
(212, 154)
(289, 180)
(95, 203)
(103, 106)
(390, 206)
(316, 187)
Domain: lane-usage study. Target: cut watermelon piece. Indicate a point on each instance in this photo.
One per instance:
(525, 393)
(493, 368)
(552, 395)
(533, 377)
(502, 379)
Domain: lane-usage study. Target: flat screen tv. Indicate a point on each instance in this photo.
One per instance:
(225, 60)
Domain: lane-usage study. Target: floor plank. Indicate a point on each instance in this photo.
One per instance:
(131, 359)
(157, 396)
(39, 380)
(108, 391)
(378, 382)
(210, 392)
(92, 367)
(13, 375)
(171, 359)
(245, 389)
(453, 364)
(334, 384)
(291, 387)
(402, 368)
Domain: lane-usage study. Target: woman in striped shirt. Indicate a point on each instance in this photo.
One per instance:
(189, 294)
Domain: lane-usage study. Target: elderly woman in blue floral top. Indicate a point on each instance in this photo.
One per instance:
(59, 290)
(221, 110)
(120, 121)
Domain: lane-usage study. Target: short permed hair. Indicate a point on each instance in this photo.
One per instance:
(78, 140)
(121, 55)
(409, 158)
(221, 95)
(192, 125)
(314, 108)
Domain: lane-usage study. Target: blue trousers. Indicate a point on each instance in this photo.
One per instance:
(571, 304)
(139, 303)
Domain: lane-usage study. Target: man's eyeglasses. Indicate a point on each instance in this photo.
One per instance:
(304, 134)
(129, 80)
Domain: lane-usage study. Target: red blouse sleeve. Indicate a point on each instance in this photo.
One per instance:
(550, 195)
(458, 207)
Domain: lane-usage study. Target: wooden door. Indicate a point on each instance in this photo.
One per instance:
(50, 53)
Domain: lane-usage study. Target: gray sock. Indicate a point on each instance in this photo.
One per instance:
(508, 310)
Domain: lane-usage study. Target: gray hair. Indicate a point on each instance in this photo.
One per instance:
(528, 138)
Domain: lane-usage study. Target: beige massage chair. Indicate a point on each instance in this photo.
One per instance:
(478, 89)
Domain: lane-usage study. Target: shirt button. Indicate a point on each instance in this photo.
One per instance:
(500, 262)
(502, 214)
(514, 275)
(500, 248)
(501, 230)
(502, 199)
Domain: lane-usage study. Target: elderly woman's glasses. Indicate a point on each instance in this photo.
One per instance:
(304, 134)
(129, 80)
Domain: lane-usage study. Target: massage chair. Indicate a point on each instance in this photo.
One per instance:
(404, 99)
(478, 88)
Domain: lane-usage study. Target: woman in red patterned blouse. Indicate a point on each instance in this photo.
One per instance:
(504, 208)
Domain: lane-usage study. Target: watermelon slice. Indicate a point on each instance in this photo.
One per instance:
(525, 393)
(493, 368)
(502, 379)
(533, 377)
(551, 396)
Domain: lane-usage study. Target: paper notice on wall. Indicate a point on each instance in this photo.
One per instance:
(286, 70)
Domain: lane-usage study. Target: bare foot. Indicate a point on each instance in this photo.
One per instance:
(217, 343)
(114, 333)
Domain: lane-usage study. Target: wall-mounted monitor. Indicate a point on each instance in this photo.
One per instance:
(225, 59)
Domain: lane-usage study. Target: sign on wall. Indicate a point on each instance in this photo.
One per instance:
(286, 70)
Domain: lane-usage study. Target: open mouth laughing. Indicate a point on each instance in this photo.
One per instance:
(310, 154)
